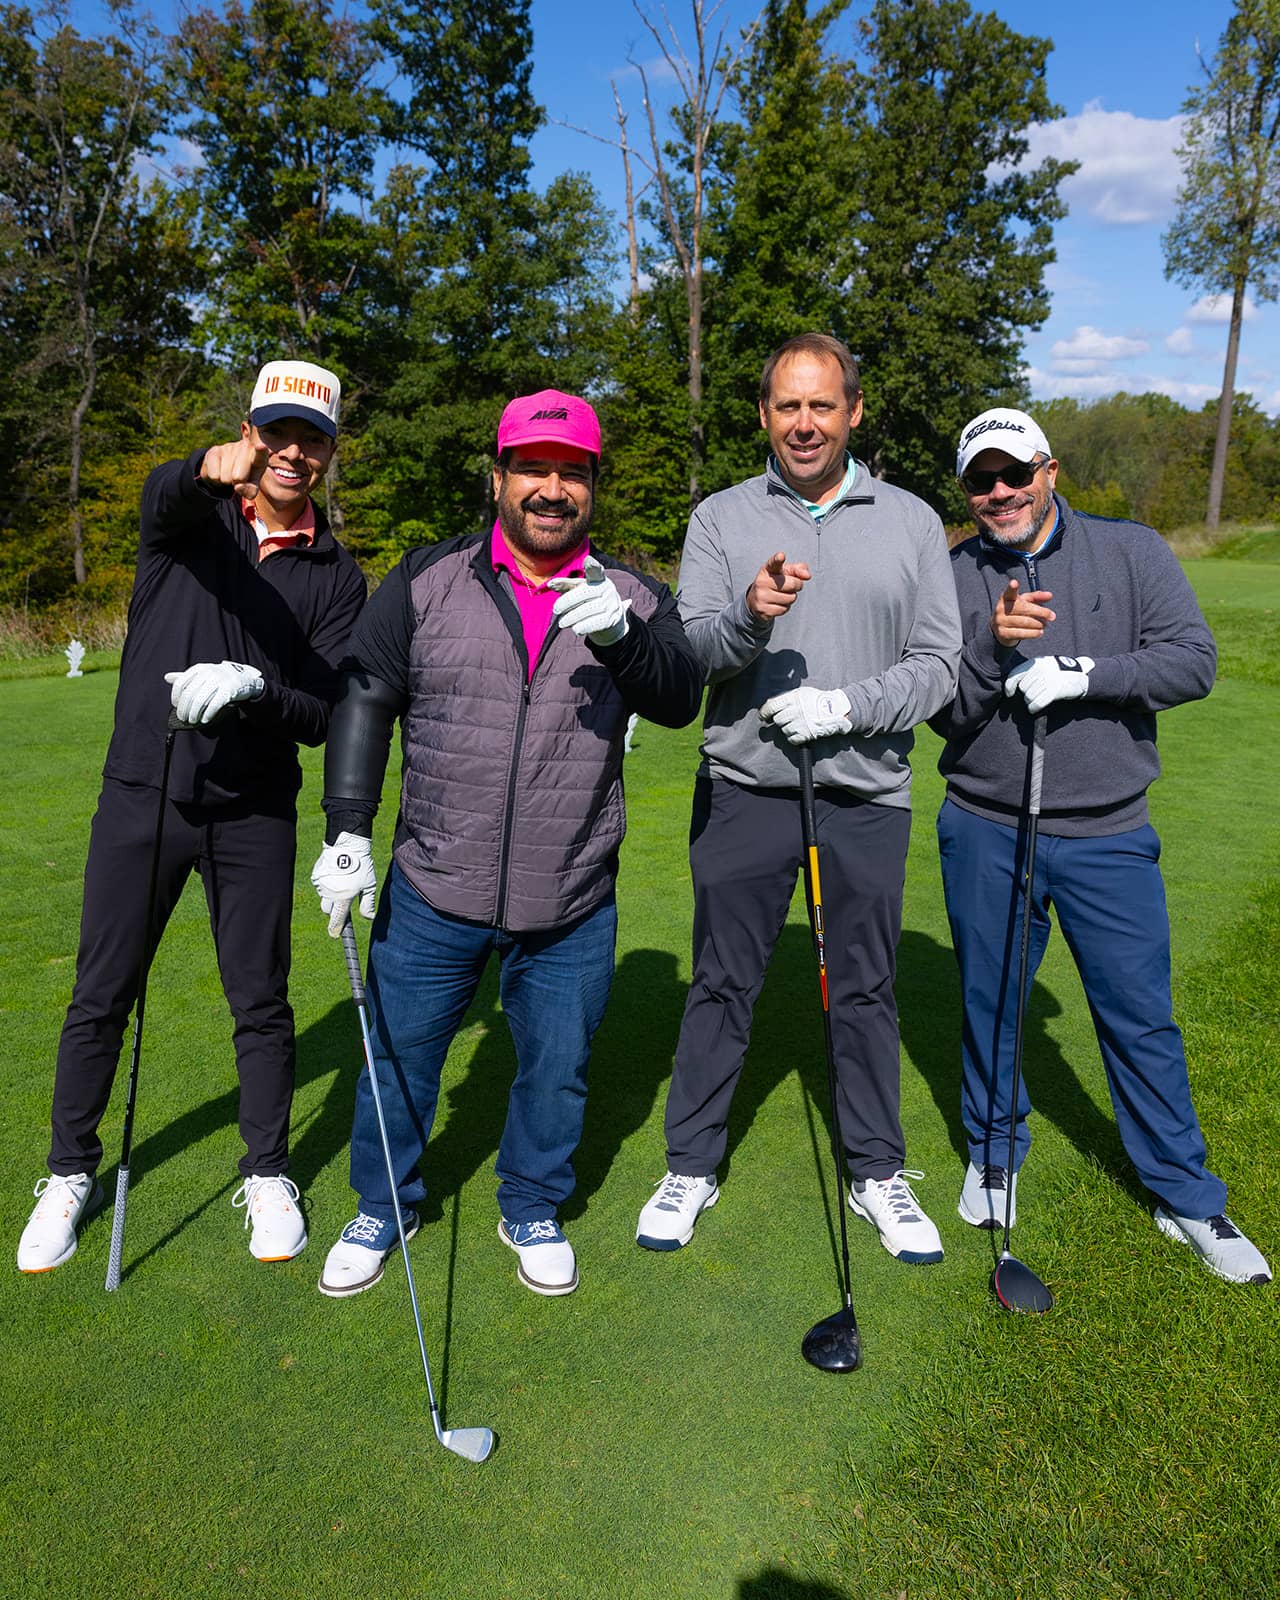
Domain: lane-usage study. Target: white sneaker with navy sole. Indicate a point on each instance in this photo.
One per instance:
(983, 1197)
(891, 1208)
(547, 1263)
(356, 1262)
(52, 1230)
(666, 1222)
(273, 1208)
(1219, 1244)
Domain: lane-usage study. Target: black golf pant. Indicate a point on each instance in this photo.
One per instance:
(246, 864)
(745, 852)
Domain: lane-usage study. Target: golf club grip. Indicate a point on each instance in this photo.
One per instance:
(808, 818)
(1038, 727)
(353, 962)
(117, 1228)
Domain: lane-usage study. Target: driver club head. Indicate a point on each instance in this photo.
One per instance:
(475, 1444)
(1017, 1288)
(833, 1345)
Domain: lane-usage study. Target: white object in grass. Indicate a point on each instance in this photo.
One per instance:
(75, 655)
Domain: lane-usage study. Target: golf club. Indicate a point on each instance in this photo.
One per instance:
(474, 1444)
(832, 1345)
(1013, 1283)
(139, 1011)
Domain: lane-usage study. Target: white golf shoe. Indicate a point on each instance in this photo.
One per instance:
(667, 1220)
(982, 1199)
(272, 1208)
(50, 1236)
(891, 1208)
(356, 1261)
(1219, 1244)
(547, 1263)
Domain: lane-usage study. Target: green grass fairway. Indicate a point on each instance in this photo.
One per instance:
(217, 1428)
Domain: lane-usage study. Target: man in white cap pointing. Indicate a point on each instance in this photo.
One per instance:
(1088, 623)
(241, 609)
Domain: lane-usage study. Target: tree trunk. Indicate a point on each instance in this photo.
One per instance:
(1222, 438)
(77, 454)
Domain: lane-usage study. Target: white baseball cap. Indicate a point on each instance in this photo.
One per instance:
(1001, 429)
(297, 389)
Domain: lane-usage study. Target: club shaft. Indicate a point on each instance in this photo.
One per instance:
(116, 1252)
(1035, 773)
(813, 885)
(357, 994)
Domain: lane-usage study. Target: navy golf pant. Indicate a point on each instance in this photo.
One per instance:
(246, 864)
(1109, 897)
(745, 852)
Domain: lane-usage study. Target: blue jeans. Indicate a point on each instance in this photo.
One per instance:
(424, 969)
(1109, 897)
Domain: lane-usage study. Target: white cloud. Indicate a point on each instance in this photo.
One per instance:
(1088, 345)
(1216, 309)
(1129, 171)
(1180, 342)
(1190, 394)
(1096, 386)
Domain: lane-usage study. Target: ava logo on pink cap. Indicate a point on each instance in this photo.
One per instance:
(549, 417)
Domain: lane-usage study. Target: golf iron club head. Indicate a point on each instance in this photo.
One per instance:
(1017, 1288)
(834, 1345)
(474, 1444)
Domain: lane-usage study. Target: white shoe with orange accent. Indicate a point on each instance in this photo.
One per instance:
(49, 1237)
(273, 1207)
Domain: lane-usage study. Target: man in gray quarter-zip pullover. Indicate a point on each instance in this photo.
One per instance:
(821, 607)
(1091, 623)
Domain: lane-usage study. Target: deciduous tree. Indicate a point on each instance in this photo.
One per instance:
(1225, 236)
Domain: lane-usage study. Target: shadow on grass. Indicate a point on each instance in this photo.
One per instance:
(631, 1060)
(772, 1583)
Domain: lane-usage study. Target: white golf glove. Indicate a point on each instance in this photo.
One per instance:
(203, 691)
(342, 874)
(1050, 678)
(591, 605)
(805, 714)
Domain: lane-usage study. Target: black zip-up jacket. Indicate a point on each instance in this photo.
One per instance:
(201, 594)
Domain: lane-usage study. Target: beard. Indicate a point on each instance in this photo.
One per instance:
(1028, 535)
(527, 539)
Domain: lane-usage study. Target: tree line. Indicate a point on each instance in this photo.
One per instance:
(279, 178)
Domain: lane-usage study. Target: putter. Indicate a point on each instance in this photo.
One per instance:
(474, 1444)
(832, 1345)
(139, 1011)
(1013, 1283)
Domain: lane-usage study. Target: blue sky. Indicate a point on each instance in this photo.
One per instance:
(1119, 71)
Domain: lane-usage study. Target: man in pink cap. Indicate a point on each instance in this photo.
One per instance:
(512, 659)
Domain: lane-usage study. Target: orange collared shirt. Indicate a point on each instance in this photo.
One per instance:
(300, 532)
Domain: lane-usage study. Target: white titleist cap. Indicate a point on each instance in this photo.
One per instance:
(297, 389)
(1001, 429)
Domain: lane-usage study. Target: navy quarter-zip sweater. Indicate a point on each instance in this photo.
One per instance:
(1121, 598)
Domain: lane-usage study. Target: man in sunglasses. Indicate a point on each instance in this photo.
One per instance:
(1091, 623)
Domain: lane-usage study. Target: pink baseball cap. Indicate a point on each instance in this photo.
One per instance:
(549, 417)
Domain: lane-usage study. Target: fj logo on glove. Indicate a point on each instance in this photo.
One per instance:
(1069, 664)
(344, 863)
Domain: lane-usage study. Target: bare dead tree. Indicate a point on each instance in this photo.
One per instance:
(703, 81)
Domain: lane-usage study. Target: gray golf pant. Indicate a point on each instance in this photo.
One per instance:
(745, 851)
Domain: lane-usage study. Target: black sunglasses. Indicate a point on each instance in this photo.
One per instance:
(1017, 475)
